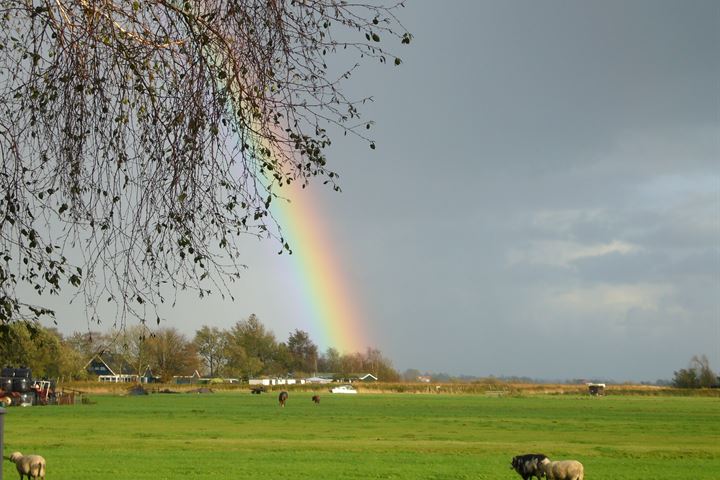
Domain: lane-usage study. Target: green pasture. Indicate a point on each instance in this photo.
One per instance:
(393, 436)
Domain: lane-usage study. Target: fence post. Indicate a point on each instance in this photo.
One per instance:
(2, 429)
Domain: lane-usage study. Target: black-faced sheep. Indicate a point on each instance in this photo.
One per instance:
(31, 465)
(562, 470)
(528, 465)
(282, 398)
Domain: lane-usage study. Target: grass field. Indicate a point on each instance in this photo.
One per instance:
(394, 436)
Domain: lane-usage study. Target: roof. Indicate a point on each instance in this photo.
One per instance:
(109, 364)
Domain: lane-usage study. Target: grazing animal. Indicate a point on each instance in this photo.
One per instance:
(562, 470)
(528, 465)
(283, 398)
(316, 398)
(31, 465)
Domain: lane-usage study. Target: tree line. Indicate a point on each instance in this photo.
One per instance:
(247, 349)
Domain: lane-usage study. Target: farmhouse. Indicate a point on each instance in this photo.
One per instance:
(114, 369)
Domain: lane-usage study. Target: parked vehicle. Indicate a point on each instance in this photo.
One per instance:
(343, 389)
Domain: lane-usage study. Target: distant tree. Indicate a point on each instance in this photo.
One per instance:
(251, 347)
(70, 363)
(303, 351)
(41, 349)
(351, 363)
(239, 363)
(698, 374)
(685, 378)
(705, 375)
(170, 353)
(20, 342)
(330, 361)
(380, 366)
(210, 343)
(134, 347)
(282, 362)
(88, 344)
(141, 140)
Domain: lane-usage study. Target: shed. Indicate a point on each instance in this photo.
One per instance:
(596, 389)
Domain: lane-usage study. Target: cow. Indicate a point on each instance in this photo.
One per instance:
(282, 398)
(316, 398)
(528, 465)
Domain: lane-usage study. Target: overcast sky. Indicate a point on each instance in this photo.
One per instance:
(544, 200)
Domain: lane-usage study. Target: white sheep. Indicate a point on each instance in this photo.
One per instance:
(562, 470)
(31, 465)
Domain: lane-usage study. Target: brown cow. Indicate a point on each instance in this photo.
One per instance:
(316, 398)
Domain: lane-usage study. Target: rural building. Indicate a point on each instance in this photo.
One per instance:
(596, 388)
(197, 378)
(114, 369)
(187, 379)
(275, 381)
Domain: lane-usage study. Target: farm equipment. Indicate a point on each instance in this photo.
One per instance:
(18, 388)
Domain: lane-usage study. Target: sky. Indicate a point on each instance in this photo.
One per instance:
(543, 201)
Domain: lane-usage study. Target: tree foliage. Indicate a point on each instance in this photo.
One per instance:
(43, 350)
(211, 345)
(303, 352)
(170, 353)
(697, 375)
(140, 141)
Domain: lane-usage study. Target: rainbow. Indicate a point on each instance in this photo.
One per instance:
(334, 317)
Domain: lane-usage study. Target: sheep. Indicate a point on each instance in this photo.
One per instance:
(527, 466)
(282, 398)
(31, 465)
(316, 398)
(562, 470)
